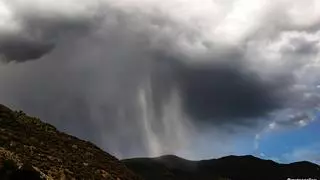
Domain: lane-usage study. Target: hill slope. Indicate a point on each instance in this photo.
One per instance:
(31, 148)
(230, 167)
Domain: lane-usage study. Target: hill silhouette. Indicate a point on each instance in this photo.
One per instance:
(226, 168)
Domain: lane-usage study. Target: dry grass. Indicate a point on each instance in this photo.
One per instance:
(26, 139)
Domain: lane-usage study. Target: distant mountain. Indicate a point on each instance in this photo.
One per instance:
(230, 167)
(31, 149)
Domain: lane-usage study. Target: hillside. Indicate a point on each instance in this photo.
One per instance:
(230, 167)
(31, 149)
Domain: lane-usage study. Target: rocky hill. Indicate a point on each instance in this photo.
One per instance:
(31, 149)
(226, 168)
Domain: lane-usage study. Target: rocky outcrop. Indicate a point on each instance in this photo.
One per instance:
(31, 148)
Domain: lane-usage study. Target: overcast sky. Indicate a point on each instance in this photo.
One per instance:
(196, 78)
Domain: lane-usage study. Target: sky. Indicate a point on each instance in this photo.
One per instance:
(196, 78)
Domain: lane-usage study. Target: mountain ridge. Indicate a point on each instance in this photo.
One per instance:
(248, 167)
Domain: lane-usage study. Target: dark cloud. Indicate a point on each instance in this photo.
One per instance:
(38, 34)
(222, 93)
(22, 51)
(39, 38)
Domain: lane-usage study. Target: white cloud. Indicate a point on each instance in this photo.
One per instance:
(309, 153)
(272, 126)
(302, 123)
(257, 138)
(7, 22)
(262, 155)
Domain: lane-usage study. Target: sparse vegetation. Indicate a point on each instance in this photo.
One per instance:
(33, 121)
(29, 145)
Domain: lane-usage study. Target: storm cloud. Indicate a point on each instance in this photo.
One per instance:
(29, 34)
(136, 77)
(22, 51)
(229, 93)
